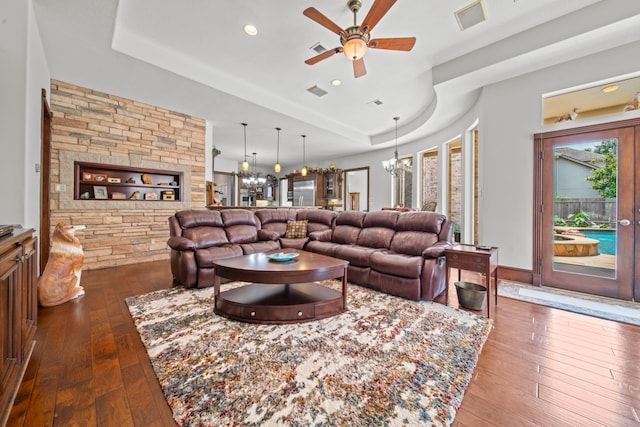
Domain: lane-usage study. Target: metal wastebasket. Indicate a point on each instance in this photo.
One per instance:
(471, 295)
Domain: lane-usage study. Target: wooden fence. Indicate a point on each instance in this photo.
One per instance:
(600, 211)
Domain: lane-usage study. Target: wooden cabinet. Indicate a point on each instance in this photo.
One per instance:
(317, 180)
(95, 181)
(18, 311)
(332, 184)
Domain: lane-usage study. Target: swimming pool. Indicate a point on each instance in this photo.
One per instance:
(607, 239)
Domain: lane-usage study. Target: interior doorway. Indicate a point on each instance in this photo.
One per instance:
(356, 189)
(45, 183)
(586, 209)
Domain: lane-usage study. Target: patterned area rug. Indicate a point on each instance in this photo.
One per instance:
(591, 305)
(386, 361)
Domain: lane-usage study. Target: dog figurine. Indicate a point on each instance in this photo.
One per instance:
(60, 281)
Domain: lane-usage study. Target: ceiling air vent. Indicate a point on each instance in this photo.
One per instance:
(471, 15)
(317, 91)
(375, 102)
(318, 48)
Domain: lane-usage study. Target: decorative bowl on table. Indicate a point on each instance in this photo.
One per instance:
(282, 257)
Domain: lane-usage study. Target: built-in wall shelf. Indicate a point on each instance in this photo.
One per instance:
(94, 181)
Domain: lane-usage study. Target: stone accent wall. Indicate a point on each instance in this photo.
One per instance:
(91, 126)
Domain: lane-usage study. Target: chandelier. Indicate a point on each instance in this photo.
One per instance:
(395, 166)
(252, 179)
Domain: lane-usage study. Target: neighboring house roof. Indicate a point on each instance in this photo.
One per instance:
(586, 158)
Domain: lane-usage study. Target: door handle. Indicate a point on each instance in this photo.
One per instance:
(624, 222)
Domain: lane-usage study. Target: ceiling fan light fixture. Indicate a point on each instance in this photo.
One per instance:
(354, 48)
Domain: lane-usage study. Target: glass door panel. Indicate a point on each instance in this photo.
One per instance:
(588, 198)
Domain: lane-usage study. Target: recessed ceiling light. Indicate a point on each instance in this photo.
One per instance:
(336, 82)
(610, 88)
(250, 29)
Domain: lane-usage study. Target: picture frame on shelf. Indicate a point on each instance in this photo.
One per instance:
(87, 176)
(99, 192)
(113, 180)
(100, 177)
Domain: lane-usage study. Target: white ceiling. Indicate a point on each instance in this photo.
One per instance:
(194, 57)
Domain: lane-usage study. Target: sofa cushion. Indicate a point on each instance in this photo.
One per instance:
(430, 222)
(375, 237)
(412, 242)
(317, 219)
(242, 234)
(416, 231)
(275, 219)
(397, 264)
(386, 219)
(296, 229)
(197, 218)
(241, 226)
(206, 236)
(323, 248)
(356, 255)
(293, 243)
(256, 247)
(207, 256)
(348, 226)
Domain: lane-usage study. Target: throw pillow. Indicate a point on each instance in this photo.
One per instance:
(296, 229)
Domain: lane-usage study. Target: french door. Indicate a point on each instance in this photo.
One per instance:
(587, 218)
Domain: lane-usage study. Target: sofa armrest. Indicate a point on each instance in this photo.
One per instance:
(321, 235)
(268, 235)
(180, 243)
(436, 250)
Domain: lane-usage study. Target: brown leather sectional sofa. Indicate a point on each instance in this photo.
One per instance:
(400, 253)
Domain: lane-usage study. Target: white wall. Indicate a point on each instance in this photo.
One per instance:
(13, 63)
(37, 79)
(511, 113)
(24, 73)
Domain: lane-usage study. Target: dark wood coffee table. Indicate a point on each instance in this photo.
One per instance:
(282, 292)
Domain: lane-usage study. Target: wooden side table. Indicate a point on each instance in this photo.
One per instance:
(468, 257)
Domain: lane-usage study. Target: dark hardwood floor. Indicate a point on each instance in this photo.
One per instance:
(539, 367)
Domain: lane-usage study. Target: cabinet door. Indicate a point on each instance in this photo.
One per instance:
(29, 294)
(10, 331)
(329, 185)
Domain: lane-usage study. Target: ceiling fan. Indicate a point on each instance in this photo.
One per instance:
(356, 39)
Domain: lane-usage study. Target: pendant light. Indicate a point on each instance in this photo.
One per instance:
(304, 170)
(276, 167)
(245, 164)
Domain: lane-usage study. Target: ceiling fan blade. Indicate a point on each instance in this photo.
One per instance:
(400, 43)
(359, 69)
(315, 15)
(377, 11)
(323, 55)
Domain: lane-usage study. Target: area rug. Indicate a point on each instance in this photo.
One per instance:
(386, 361)
(591, 305)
